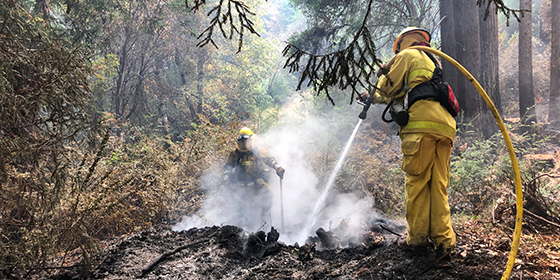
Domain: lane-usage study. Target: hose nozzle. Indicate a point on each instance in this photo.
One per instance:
(366, 105)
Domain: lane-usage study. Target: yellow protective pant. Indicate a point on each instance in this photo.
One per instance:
(426, 167)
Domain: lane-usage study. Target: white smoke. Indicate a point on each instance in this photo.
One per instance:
(291, 143)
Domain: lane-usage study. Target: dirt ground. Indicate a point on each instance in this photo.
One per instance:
(228, 252)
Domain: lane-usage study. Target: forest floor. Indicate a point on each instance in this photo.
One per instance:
(228, 252)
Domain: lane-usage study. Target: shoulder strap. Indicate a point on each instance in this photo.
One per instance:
(427, 89)
(239, 156)
(437, 75)
(431, 56)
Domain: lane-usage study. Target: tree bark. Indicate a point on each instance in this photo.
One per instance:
(526, 93)
(448, 45)
(467, 35)
(554, 102)
(117, 95)
(489, 46)
(489, 73)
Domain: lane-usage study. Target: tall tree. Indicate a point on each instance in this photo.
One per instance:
(467, 35)
(526, 92)
(448, 44)
(138, 48)
(489, 46)
(554, 101)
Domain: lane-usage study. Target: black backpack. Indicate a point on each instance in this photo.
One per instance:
(435, 88)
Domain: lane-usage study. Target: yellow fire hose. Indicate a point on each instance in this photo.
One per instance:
(509, 145)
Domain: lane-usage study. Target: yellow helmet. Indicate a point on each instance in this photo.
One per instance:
(409, 30)
(245, 133)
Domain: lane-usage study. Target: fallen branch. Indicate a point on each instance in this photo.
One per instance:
(390, 231)
(541, 218)
(151, 266)
(553, 176)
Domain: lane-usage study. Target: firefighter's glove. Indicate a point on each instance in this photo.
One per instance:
(382, 71)
(362, 96)
(280, 172)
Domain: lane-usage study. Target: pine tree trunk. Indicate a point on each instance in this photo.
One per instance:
(526, 93)
(554, 102)
(489, 46)
(448, 46)
(489, 72)
(467, 37)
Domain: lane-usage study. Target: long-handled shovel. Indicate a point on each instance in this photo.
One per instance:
(282, 205)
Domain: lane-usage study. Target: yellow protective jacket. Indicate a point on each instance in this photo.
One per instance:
(249, 166)
(408, 69)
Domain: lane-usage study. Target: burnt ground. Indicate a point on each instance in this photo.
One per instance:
(228, 252)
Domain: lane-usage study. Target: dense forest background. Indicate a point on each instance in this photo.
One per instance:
(116, 116)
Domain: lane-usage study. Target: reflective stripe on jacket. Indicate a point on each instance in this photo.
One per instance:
(251, 165)
(413, 67)
(410, 67)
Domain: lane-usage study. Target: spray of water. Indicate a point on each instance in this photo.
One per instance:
(322, 199)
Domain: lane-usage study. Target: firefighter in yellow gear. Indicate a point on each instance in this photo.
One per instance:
(247, 174)
(426, 142)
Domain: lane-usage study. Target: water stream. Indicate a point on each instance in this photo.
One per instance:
(322, 199)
